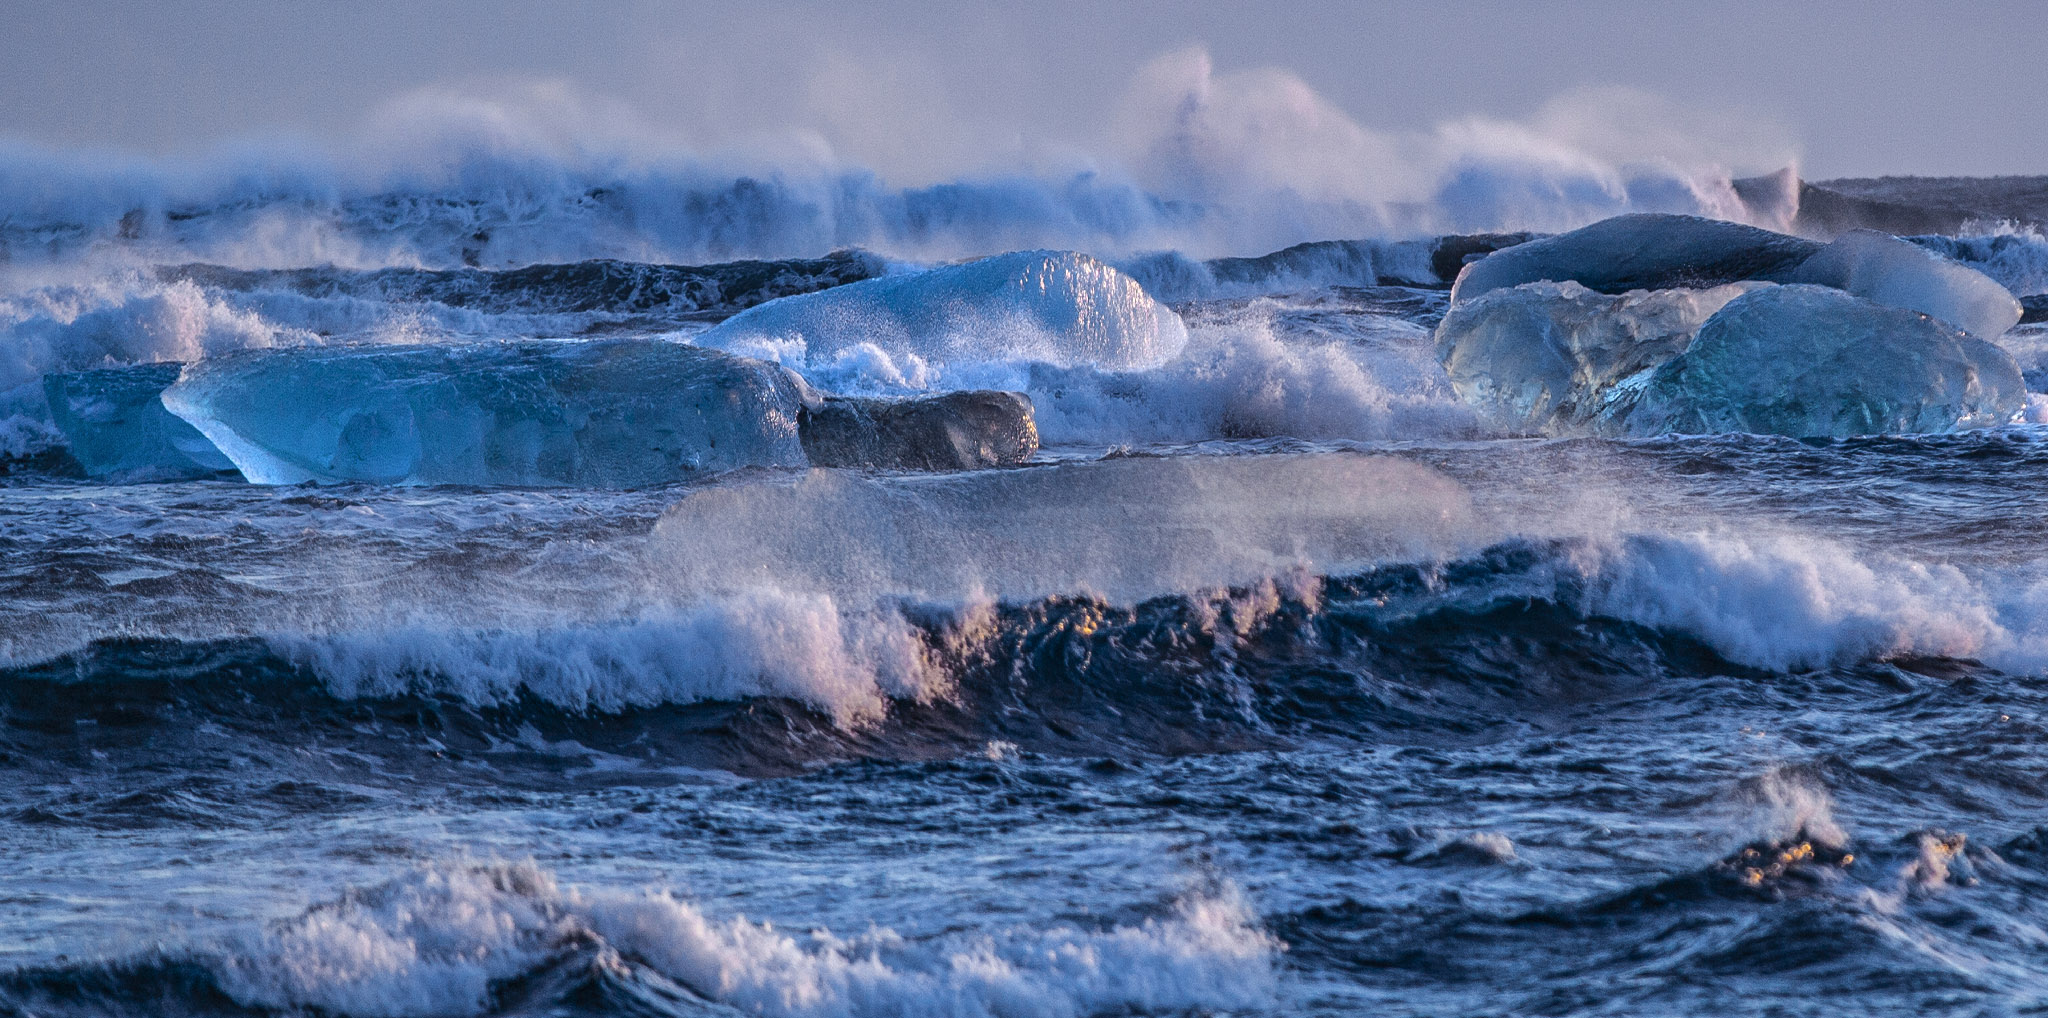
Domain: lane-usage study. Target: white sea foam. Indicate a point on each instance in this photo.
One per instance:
(1785, 804)
(23, 435)
(2016, 256)
(1243, 376)
(1793, 601)
(1243, 372)
(115, 320)
(794, 586)
(433, 942)
(805, 646)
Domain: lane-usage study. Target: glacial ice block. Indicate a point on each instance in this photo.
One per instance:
(1813, 361)
(117, 427)
(1883, 268)
(1541, 357)
(1046, 307)
(1643, 251)
(618, 413)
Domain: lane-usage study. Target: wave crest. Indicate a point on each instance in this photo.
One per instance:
(444, 940)
(759, 643)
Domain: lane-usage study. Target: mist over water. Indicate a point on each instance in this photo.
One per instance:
(1187, 158)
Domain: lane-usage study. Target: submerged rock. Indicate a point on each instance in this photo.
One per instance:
(1645, 251)
(2033, 308)
(1887, 270)
(1542, 357)
(1812, 361)
(116, 426)
(1452, 252)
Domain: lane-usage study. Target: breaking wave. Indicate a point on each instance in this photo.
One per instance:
(771, 683)
(459, 939)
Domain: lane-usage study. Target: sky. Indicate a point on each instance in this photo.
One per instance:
(921, 92)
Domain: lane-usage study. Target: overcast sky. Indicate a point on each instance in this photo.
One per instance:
(1851, 88)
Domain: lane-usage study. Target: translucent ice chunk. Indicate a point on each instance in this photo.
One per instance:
(1645, 251)
(1815, 361)
(1885, 269)
(612, 414)
(958, 321)
(1541, 357)
(116, 426)
(607, 414)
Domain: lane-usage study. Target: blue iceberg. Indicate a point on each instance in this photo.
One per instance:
(117, 428)
(604, 414)
(1813, 361)
(1543, 357)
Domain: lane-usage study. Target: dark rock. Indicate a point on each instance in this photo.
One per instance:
(1453, 251)
(1825, 212)
(600, 285)
(955, 431)
(1902, 206)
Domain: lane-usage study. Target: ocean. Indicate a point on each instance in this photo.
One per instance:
(1273, 678)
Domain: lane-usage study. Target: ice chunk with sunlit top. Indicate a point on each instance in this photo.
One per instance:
(1880, 267)
(1812, 361)
(1047, 307)
(1645, 251)
(1542, 357)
